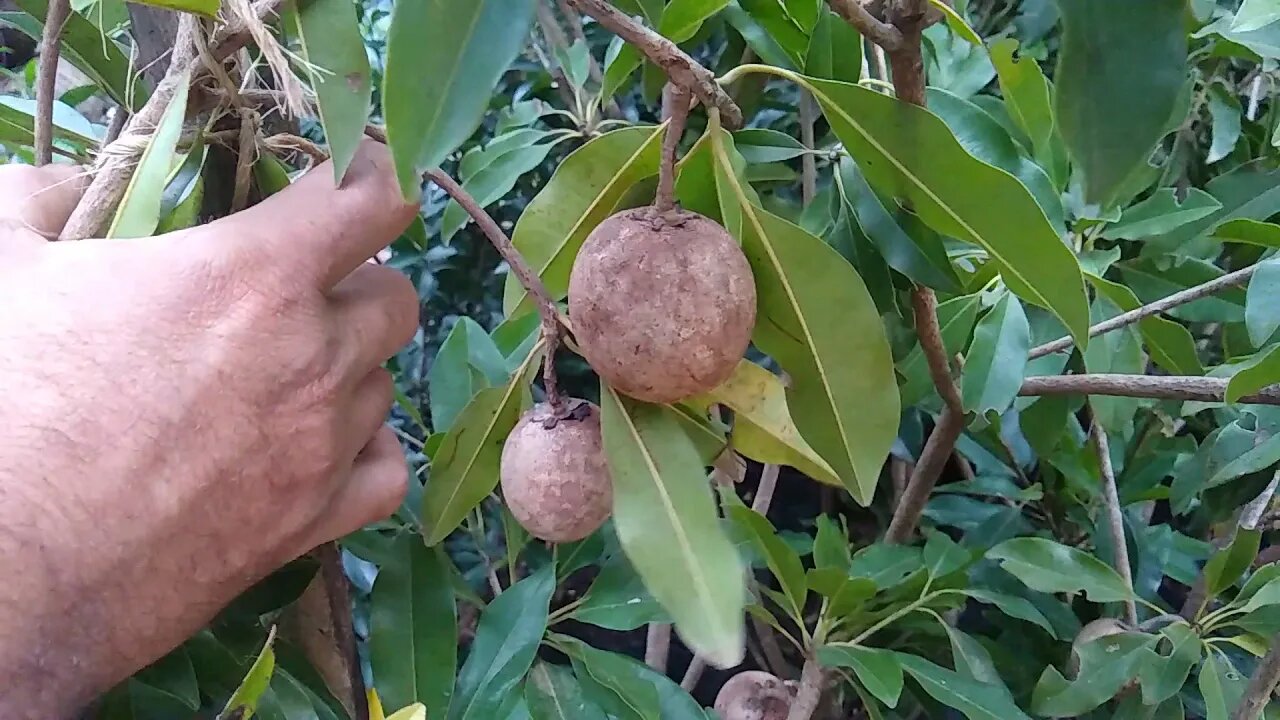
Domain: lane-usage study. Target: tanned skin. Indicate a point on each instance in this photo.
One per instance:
(182, 414)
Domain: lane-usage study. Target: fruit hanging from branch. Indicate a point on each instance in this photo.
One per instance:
(554, 477)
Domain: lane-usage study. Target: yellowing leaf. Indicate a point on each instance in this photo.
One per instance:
(816, 318)
(762, 427)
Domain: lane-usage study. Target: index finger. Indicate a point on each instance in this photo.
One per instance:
(321, 230)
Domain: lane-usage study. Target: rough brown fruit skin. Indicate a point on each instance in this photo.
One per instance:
(754, 695)
(662, 311)
(555, 481)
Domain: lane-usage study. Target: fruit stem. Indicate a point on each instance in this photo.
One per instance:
(675, 107)
(552, 330)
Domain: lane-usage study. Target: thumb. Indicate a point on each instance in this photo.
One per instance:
(35, 202)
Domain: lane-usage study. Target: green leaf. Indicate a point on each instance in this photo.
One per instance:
(495, 180)
(835, 50)
(206, 8)
(682, 18)
(989, 142)
(413, 627)
(956, 22)
(506, 643)
(1013, 606)
(1249, 232)
(468, 45)
(1260, 371)
(467, 362)
(1110, 55)
(763, 429)
(619, 69)
(783, 561)
(84, 46)
(1169, 343)
(772, 15)
(1161, 213)
(877, 670)
(17, 125)
(956, 318)
(815, 317)
(1228, 565)
(761, 145)
(976, 700)
(845, 594)
(1225, 110)
(618, 600)
(1049, 567)
(1262, 302)
(589, 186)
(1255, 15)
(997, 359)
(244, 700)
(1119, 351)
(1163, 676)
(553, 693)
(338, 65)
(911, 152)
(920, 255)
(464, 470)
(757, 37)
(1248, 192)
(1106, 665)
(666, 522)
(830, 545)
(942, 556)
(614, 681)
(1210, 682)
(886, 565)
(139, 210)
(1027, 96)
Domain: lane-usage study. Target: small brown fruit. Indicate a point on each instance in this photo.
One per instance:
(754, 695)
(662, 305)
(554, 479)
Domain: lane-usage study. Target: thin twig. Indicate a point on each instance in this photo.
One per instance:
(1171, 387)
(119, 116)
(1261, 686)
(808, 162)
(551, 327)
(809, 693)
(693, 674)
(244, 159)
(856, 14)
(657, 646)
(676, 108)
(679, 67)
(764, 491)
(1115, 516)
(1125, 319)
(47, 78)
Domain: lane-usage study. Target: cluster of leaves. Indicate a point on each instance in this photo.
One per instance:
(1076, 160)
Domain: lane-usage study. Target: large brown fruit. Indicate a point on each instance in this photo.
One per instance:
(754, 695)
(555, 480)
(662, 307)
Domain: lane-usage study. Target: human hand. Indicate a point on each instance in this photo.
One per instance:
(183, 414)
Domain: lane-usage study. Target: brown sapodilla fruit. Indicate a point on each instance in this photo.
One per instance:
(662, 305)
(554, 479)
(754, 695)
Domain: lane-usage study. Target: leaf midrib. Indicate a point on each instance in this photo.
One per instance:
(493, 421)
(749, 210)
(976, 237)
(702, 590)
(591, 208)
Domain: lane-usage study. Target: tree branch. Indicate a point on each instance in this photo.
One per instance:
(676, 63)
(857, 15)
(551, 327)
(1261, 686)
(675, 110)
(808, 163)
(809, 693)
(1115, 517)
(47, 78)
(1125, 319)
(657, 646)
(1158, 387)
